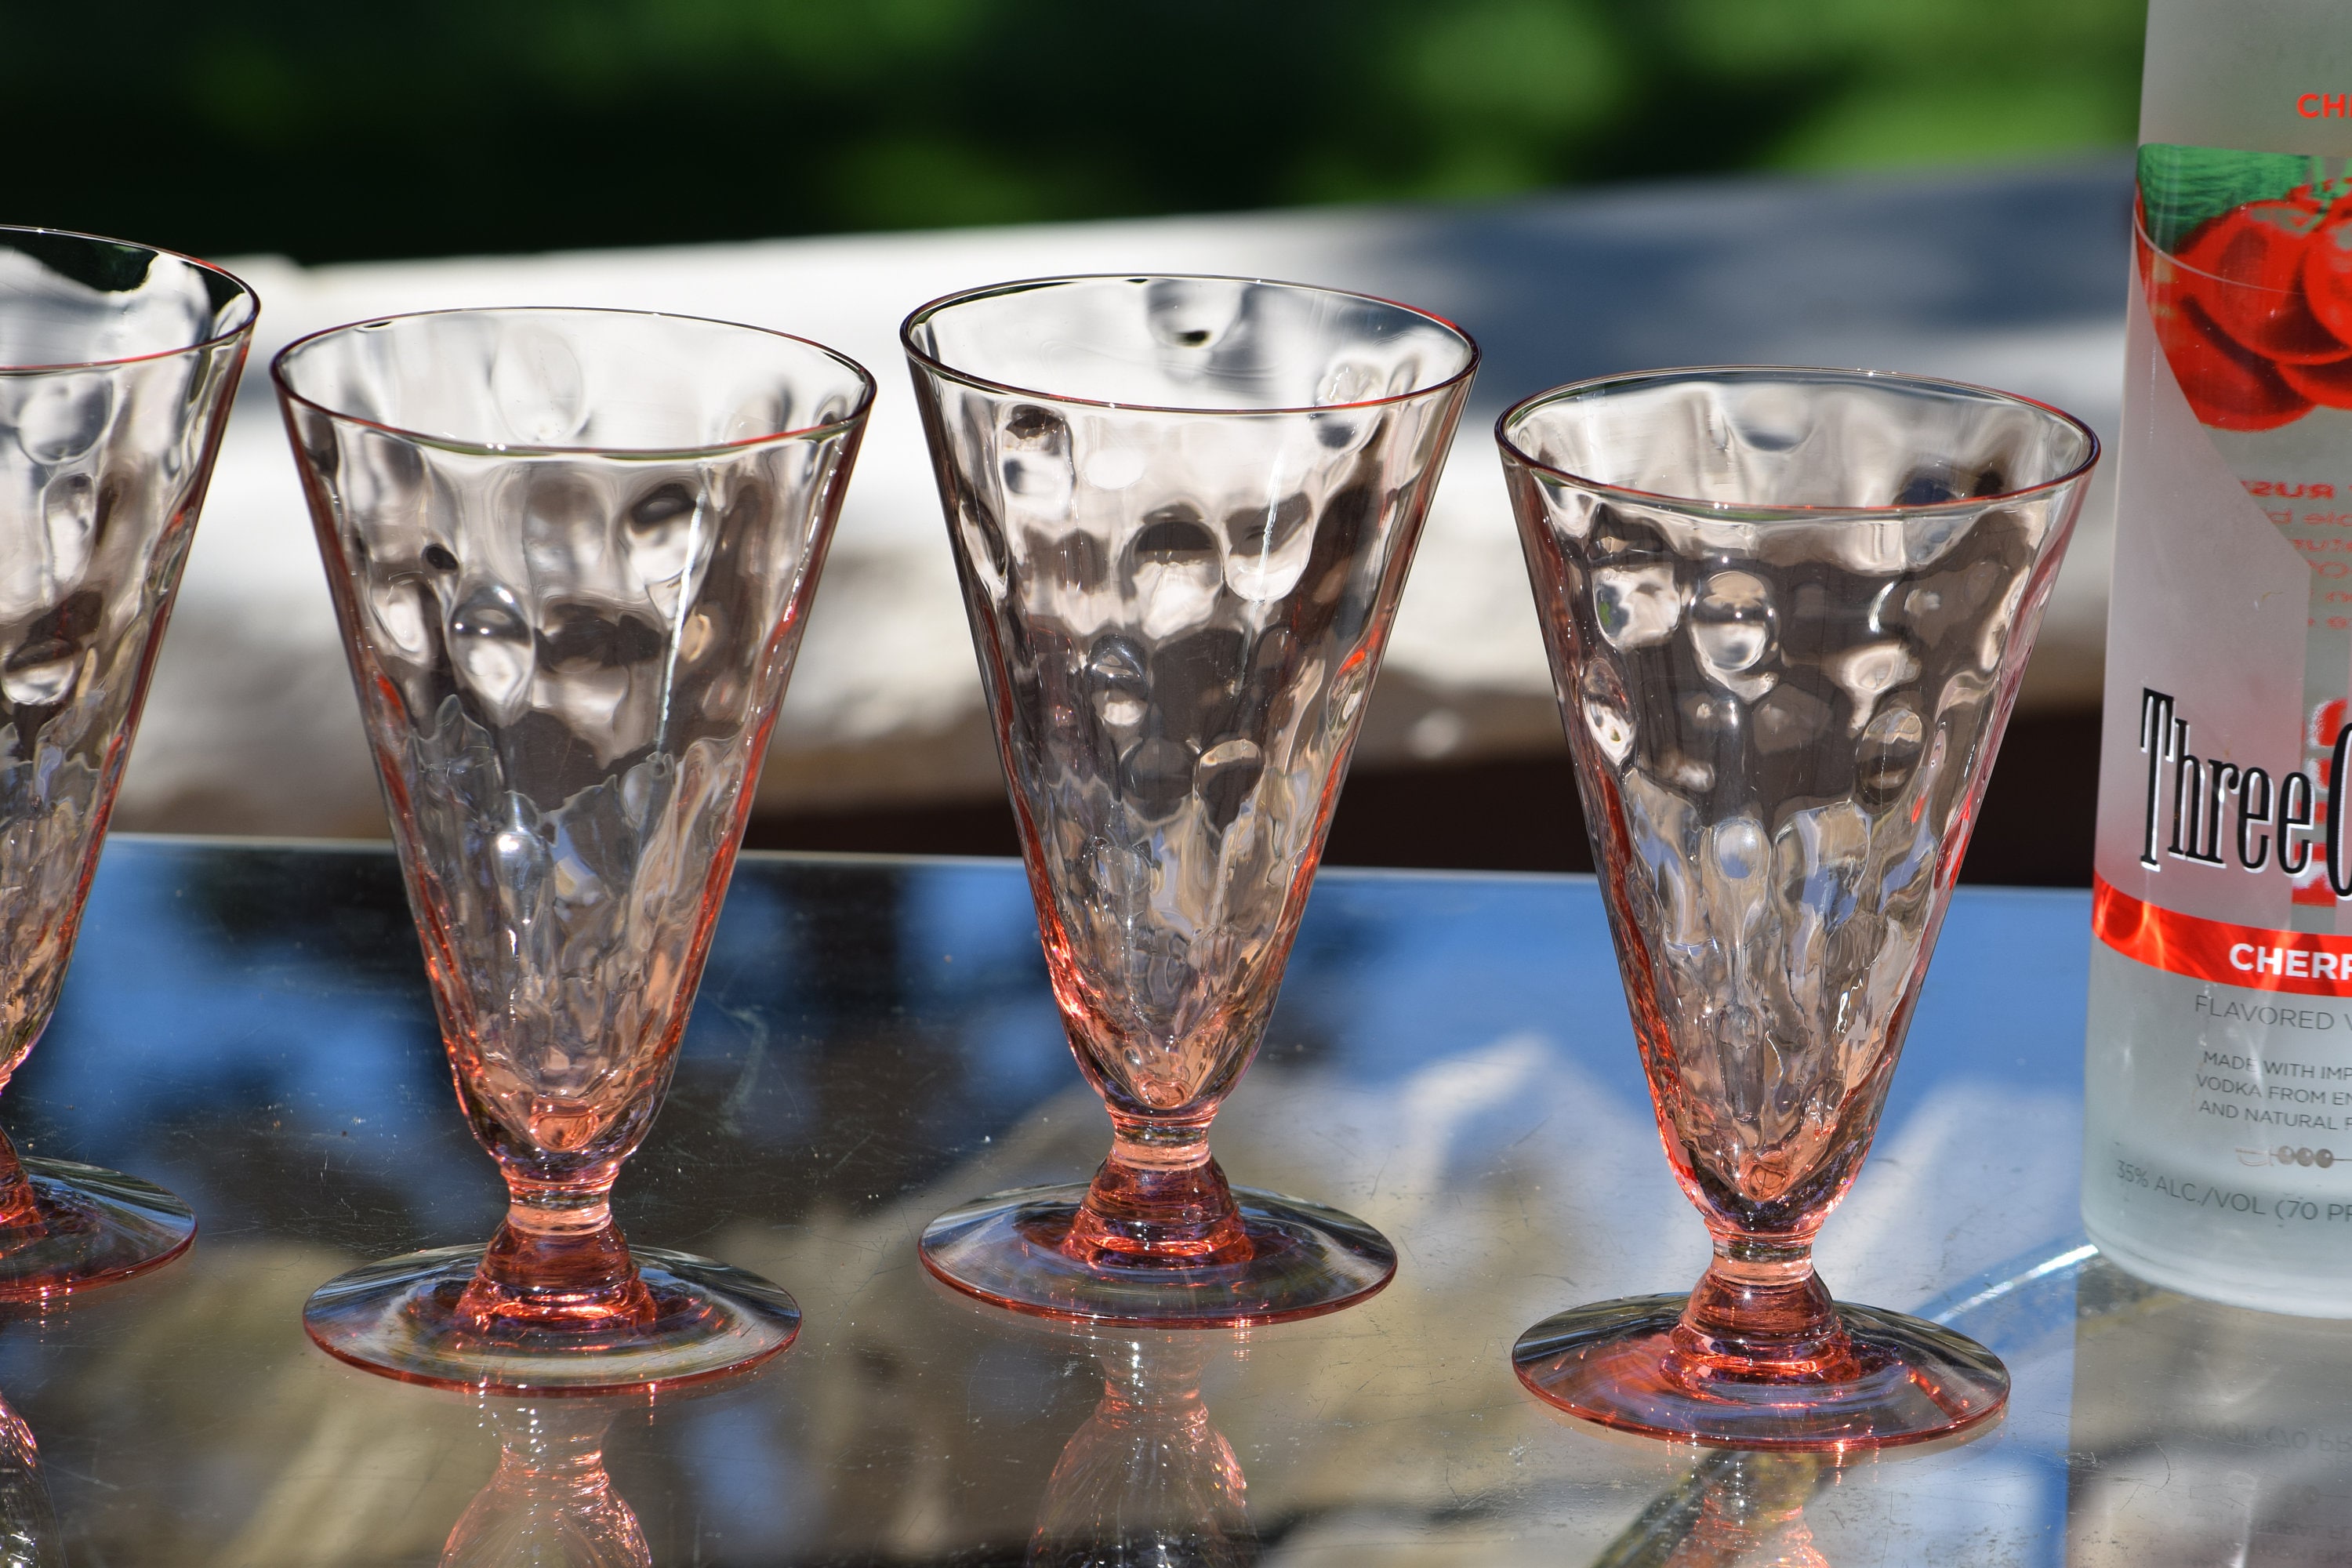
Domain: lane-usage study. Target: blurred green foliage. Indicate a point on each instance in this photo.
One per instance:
(386, 128)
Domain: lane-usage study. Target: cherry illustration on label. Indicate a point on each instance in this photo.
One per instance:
(2254, 309)
(2249, 276)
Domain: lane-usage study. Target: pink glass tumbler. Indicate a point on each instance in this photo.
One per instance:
(571, 552)
(1787, 612)
(1182, 509)
(118, 363)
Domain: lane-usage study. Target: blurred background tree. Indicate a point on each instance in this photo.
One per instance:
(401, 128)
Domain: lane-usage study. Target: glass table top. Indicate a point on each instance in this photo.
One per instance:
(875, 1041)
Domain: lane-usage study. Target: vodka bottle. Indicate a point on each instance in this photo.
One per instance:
(2218, 1155)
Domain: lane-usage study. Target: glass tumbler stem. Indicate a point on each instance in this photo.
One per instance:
(559, 1259)
(1159, 1196)
(1760, 1314)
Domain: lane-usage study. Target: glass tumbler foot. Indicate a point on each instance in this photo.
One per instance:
(1015, 1249)
(93, 1228)
(399, 1318)
(1615, 1362)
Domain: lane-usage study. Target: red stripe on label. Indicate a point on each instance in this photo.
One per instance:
(2305, 963)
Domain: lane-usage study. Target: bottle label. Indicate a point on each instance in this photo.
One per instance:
(2219, 1062)
(2294, 963)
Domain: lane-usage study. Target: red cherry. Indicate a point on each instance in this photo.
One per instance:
(2228, 387)
(2327, 270)
(2329, 384)
(2252, 258)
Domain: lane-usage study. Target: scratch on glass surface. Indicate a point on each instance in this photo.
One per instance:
(738, 1094)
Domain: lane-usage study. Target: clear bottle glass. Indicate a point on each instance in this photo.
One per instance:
(2218, 1155)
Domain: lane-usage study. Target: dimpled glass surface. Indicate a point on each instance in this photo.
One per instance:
(1181, 555)
(572, 552)
(116, 367)
(1783, 718)
(1787, 611)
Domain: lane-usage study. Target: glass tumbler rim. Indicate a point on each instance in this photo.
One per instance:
(856, 412)
(225, 336)
(924, 312)
(1769, 512)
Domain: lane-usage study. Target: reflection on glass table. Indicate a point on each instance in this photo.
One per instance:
(1739, 1505)
(2206, 1434)
(28, 1521)
(1450, 1059)
(1147, 1479)
(551, 1503)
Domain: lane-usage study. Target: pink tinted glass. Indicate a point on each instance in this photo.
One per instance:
(1787, 611)
(1182, 509)
(571, 552)
(118, 363)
